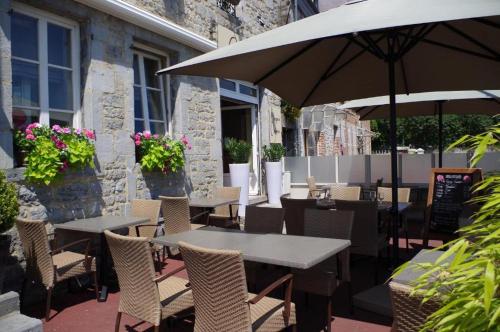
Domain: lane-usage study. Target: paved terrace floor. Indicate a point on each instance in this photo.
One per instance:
(78, 311)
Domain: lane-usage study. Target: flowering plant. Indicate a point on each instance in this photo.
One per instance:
(51, 151)
(160, 152)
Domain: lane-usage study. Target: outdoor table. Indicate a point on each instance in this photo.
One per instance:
(98, 225)
(328, 204)
(301, 252)
(211, 203)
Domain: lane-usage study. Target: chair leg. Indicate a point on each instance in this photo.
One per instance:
(159, 261)
(375, 271)
(47, 307)
(96, 285)
(117, 324)
(329, 314)
(407, 241)
(22, 294)
(157, 328)
(349, 294)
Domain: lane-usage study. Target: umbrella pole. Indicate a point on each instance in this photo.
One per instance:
(391, 57)
(440, 132)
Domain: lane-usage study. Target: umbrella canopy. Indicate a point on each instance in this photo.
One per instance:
(415, 104)
(336, 55)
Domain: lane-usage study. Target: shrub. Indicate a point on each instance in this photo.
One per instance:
(290, 112)
(160, 152)
(9, 207)
(274, 152)
(239, 151)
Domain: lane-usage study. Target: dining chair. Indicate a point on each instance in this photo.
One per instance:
(403, 197)
(294, 213)
(264, 220)
(409, 312)
(325, 277)
(143, 295)
(314, 191)
(176, 215)
(345, 193)
(148, 208)
(47, 266)
(226, 215)
(367, 239)
(221, 299)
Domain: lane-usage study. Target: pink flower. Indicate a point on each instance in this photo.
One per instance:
(66, 130)
(138, 142)
(440, 178)
(147, 134)
(89, 134)
(137, 137)
(29, 132)
(78, 131)
(60, 145)
(64, 166)
(156, 136)
(57, 129)
(33, 125)
(31, 137)
(184, 140)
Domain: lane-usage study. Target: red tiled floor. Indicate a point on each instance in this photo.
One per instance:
(80, 312)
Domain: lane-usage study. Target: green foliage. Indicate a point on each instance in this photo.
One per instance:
(422, 131)
(239, 151)
(290, 111)
(51, 151)
(9, 207)
(274, 152)
(160, 152)
(468, 285)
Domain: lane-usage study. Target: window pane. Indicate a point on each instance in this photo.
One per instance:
(21, 118)
(137, 79)
(150, 69)
(246, 90)
(60, 89)
(157, 128)
(228, 85)
(59, 45)
(62, 119)
(24, 83)
(139, 125)
(138, 103)
(154, 105)
(24, 36)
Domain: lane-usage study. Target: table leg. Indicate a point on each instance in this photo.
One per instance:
(102, 269)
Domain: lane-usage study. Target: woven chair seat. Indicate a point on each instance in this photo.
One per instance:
(267, 315)
(71, 264)
(175, 297)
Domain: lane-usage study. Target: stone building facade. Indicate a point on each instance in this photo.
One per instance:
(108, 37)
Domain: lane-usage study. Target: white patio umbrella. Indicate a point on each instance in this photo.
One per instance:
(365, 49)
(485, 102)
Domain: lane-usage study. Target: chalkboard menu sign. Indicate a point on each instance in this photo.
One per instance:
(449, 189)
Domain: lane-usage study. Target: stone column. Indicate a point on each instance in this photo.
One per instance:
(6, 144)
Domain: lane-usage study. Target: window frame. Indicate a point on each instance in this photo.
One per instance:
(43, 19)
(143, 51)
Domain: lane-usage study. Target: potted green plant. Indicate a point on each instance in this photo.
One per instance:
(239, 152)
(272, 157)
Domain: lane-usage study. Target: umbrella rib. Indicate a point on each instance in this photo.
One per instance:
(322, 78)
(361, 118)
(424, 31)
(403, 68)
(459, 49)
(377, 50)
(284, 63)
(487, 22)
(471, 39)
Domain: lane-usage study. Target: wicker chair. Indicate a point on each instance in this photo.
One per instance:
(222, 302)
(294, 213)
(403, 197)
(323, 278)
(52, 266)
(176, 216)
(408, 311)
(143, 295)
(314, 191)
(226, 215)
(366, 238)
(345, 193)
(264, 220)
(148, 208)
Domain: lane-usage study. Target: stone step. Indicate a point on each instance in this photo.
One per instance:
(9, 303)
(11, 320)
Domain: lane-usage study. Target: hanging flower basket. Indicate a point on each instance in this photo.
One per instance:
(50, 152)
(160, 153)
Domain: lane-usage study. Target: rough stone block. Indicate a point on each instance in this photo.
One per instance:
(9, 303)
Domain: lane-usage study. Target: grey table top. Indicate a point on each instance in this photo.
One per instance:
(211, 202)
(411, 273)
(300, 252)
(100, 224)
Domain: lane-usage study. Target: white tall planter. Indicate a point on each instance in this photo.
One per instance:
(240, 177)
(273, 181)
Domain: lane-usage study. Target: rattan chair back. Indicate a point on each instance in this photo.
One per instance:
(219, 288)
(345, 193)
(176, 216)
(232, 193)
(334, 224)
(39, 264)
(294, 213)
(365, 237)
(264, 220)
(311, 184)
(147, 208)
(408, 311)
(134, 266)
(403, 194)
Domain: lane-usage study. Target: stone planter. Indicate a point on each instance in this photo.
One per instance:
(273, 181)
(240, 177)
